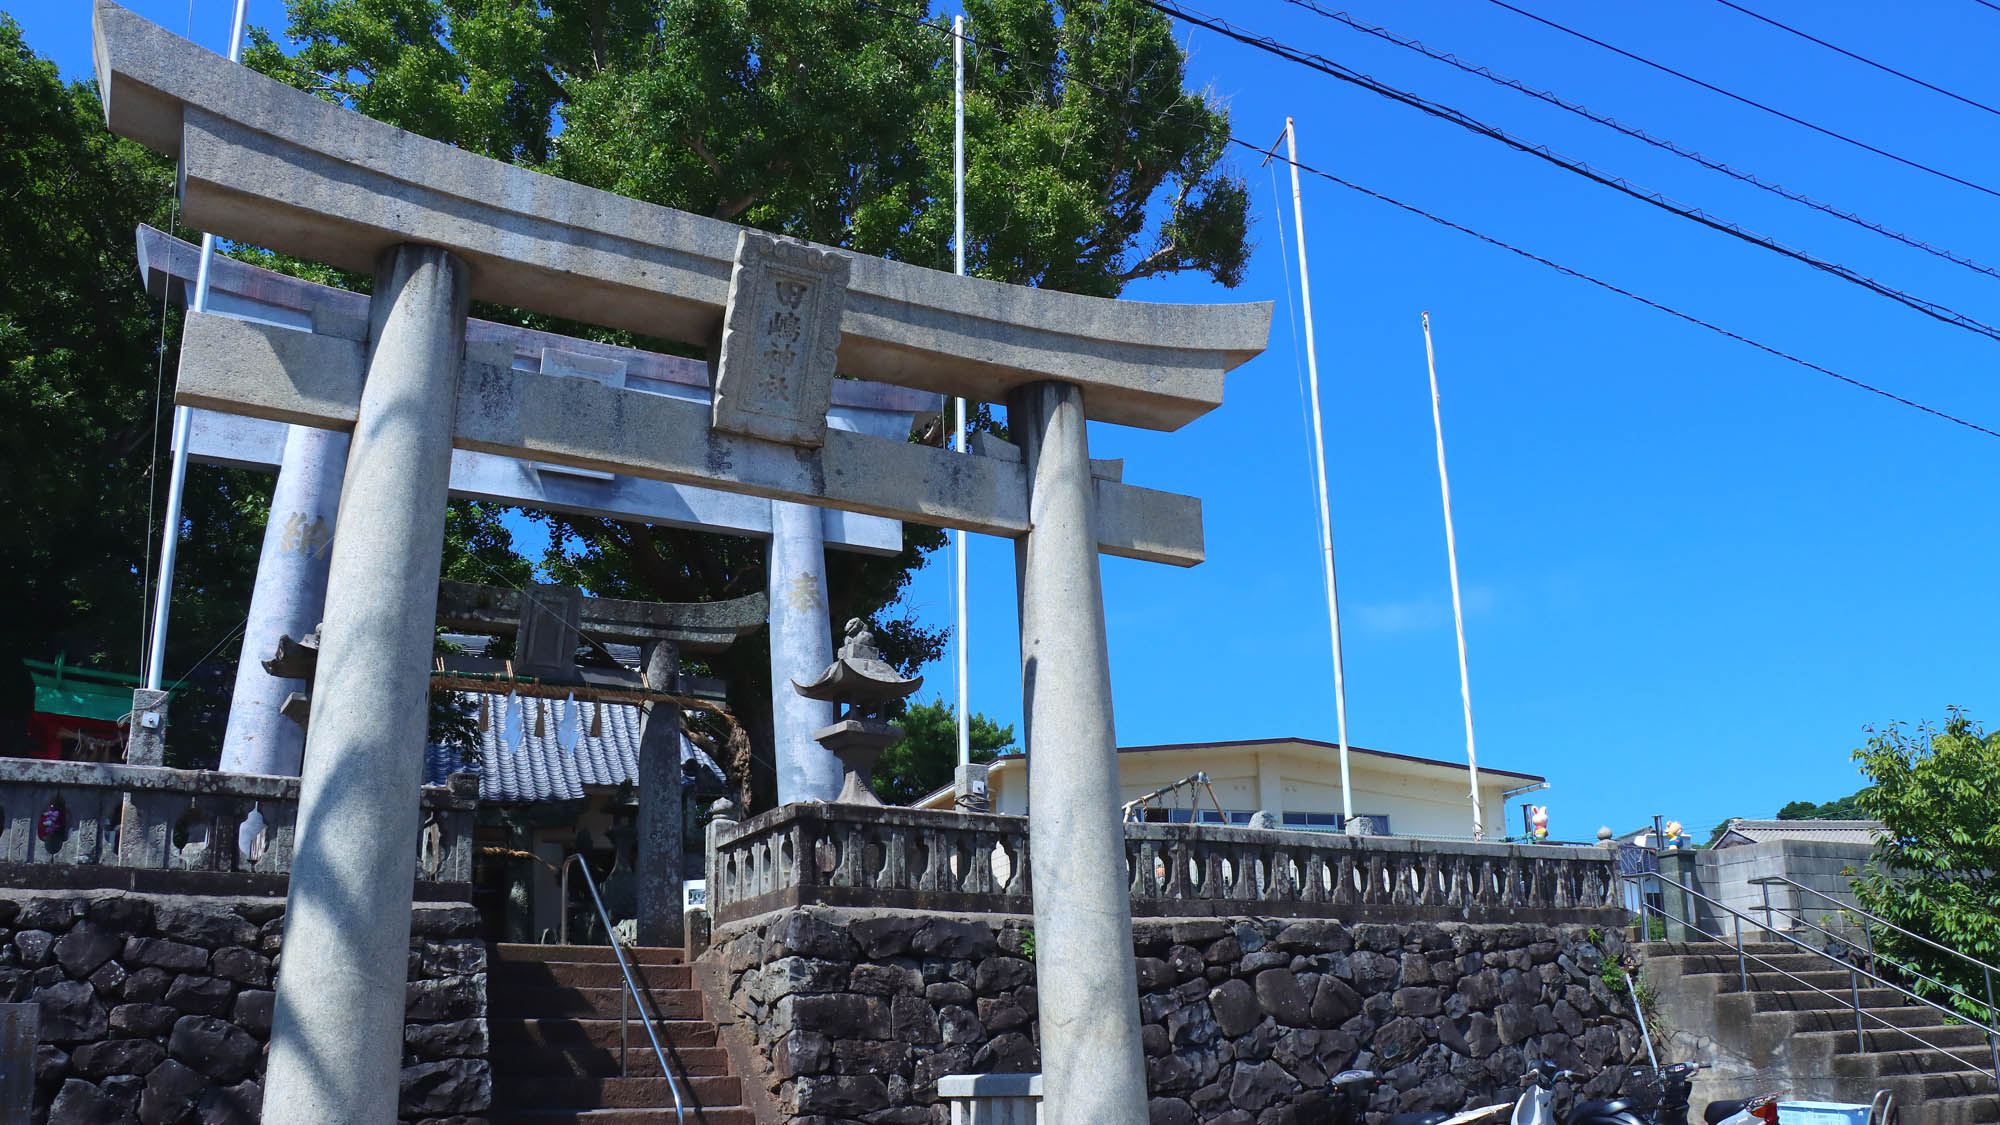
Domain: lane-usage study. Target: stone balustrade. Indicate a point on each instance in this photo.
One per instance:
(113, 824)
(854, 855)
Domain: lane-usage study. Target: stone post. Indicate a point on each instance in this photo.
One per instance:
(660, 804)
(801, 647)
(288, 599)
(337, 1031)
(1684, 913)
(1093, 1070)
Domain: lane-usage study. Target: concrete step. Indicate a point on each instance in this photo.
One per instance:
(586, 974)
(563, 1034)
(1831, 980)
(1694, 964)
(1803, 1001)
(1955, 1037)
(593, 1003)
(1916, 1091)
(538, 1092)
(1654, 949)
(645, 955)
(1920, 1061)
(592, 1062)
(731, 1115)
(1802, 1021)
(1956, 1111)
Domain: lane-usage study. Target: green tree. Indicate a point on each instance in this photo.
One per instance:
(823, 119)
(1846, 808)
(84, 447)
(923, 761)
(1937, 870)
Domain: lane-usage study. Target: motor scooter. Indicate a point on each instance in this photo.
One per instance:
(1676, 1081)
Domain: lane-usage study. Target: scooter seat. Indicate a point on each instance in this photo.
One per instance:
(1601, 1113)
(1718, 1112)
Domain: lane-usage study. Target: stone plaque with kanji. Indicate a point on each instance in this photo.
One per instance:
(774, 370)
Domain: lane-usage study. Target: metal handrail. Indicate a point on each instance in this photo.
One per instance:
(1985, 969)
(1854, 973)
(1798, 916)
(631, 996)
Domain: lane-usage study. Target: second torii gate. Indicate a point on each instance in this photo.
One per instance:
(266, 164)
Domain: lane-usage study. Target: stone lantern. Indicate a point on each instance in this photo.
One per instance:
(865, 685)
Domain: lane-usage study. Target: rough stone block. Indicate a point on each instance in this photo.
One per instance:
(213, 1046)
(85, 947)
(450, 1086)
(71, 1013)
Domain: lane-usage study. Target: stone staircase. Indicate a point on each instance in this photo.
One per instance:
(554, 1021)
(1791, 1040)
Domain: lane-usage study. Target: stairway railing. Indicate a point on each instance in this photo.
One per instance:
(631, 997)
(1867, 923)
(1855, 974)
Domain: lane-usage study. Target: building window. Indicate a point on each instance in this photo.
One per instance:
(1325, 820)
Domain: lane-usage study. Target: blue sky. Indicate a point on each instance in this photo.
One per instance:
(1693, 572)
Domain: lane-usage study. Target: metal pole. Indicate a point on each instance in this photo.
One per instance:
(1854, 990)
(1742, 966)
(1768, 928)
(1319, 447)
(170, 526)
(958, 404)
(1457, 607)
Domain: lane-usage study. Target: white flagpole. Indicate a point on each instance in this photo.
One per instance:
(958, 404)
(1457, 609)
(1319, 447)
(170, 532)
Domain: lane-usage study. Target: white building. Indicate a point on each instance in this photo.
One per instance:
(1298, 779)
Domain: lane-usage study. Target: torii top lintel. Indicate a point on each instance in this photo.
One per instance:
(267, 164)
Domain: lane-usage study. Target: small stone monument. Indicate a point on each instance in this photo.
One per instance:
(861, 681)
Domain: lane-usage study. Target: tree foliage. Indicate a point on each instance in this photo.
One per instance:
(824, 119)
(1937, 870)
(1846, 808)
(924, 760)
(84, 447)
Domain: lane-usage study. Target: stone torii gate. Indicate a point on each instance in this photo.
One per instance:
(266, 164)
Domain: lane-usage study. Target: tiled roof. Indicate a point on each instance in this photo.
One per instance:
(1827, 831)
(541, 770)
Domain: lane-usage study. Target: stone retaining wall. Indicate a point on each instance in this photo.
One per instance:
(157, 1008)
(857, 1013)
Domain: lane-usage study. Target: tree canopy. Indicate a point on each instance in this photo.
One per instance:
(925, 758)
(85, 443)
(1937, 870)
(1088, 167)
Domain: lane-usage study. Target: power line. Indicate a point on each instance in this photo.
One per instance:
(1057, 72)
(1623, 292)
(1988, 3)
(1542, 152)
(1754, 104)
(1886, 69)
(1640, 134)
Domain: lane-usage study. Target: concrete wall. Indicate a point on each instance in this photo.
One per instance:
(853, 1015)
(1725, 874)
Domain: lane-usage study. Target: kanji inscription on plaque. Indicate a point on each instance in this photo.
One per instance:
(774, 368)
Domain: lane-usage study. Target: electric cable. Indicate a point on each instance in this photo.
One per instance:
(1883, 67)
(1332, 69)
(1751, 102)
(1613, 123)
(1490, 240)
